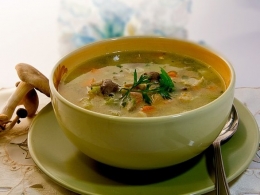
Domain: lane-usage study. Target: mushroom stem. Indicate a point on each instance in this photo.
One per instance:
(30, 102)
(20, 113)
(14, 100)
(12, 123)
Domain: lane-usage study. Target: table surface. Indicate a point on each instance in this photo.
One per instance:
(41, 32)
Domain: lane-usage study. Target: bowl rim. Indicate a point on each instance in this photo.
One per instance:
(141, 119)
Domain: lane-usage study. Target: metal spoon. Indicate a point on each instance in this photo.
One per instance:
(229, 129)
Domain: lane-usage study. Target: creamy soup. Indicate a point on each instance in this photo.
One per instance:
(141, 84)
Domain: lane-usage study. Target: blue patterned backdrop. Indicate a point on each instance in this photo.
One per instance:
(85, 21)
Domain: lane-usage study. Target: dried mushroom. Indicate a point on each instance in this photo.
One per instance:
(24, 94)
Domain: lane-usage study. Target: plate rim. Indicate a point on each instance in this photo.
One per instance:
(204, 190)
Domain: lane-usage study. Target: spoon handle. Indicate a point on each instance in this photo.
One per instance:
(220, 176)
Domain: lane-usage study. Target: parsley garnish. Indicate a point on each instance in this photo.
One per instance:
(164, 87)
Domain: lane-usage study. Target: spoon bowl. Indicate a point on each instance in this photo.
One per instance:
(226, 133)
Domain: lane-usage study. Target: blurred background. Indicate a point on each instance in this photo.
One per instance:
(41, 32)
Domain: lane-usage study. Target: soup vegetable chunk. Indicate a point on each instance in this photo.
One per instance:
(142, 84)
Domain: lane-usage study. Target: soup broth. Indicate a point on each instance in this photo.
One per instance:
(141, 84)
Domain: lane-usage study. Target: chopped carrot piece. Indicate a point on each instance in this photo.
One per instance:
(94, 70)
(147, 108)
(212, 88)
(196, 87)
(88, 82)
(172, 73)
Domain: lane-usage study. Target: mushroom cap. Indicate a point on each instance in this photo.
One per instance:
(31, 75)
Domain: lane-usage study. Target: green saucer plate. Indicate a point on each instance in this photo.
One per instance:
(65, 164)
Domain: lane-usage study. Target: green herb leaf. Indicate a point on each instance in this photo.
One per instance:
(166, 81)
(135, 77)
(146, 98)
(164, 88)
